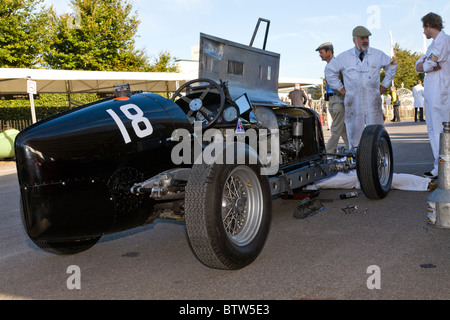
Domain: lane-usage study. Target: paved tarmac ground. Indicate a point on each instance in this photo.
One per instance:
(385, 252)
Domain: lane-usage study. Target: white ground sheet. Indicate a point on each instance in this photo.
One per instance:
(400, 181)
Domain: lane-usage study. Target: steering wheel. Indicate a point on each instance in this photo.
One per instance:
(197, 104)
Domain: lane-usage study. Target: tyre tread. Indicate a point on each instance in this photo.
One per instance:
(196, 193)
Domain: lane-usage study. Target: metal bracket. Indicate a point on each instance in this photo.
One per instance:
(256, 31)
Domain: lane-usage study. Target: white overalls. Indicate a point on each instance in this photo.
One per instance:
(363, 104)
(437, 91)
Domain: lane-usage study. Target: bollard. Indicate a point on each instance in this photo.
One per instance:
(439, 201)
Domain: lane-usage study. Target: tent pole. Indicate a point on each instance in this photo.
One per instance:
(68, 94)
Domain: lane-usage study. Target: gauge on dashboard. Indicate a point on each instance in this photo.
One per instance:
(230, 114)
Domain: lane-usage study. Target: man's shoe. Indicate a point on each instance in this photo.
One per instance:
(432, 185)
(430, 175)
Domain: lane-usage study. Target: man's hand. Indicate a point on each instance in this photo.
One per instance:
(382, 90)
(342, 91)
(434, 64)
(419, 67)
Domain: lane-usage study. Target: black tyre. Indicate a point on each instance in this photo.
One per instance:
(66, 247)
(375, 162)
(228, 213)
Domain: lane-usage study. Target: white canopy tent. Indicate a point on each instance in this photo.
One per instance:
(13, 81)
(285, 83)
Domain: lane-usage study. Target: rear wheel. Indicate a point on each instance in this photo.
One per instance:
(228, 213)
(374, 162)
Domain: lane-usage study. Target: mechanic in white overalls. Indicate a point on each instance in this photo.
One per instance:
(436, 64)
(361, 66)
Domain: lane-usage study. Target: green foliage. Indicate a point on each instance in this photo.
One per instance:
(406, 73)
(46, 105)
(317, 91)
(21, 113)
(164, 63)
(51, 100)
(100, 36)
(23, 33)
(96, 35)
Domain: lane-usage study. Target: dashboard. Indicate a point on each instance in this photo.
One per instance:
(230, 114)
(209, 107)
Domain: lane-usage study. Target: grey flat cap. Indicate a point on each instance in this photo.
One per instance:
(361, 31)
(326, 45)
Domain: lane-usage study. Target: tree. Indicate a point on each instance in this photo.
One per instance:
(164, 63)
(406, 73)
(100, 36)
(23, 33)
(319, 90)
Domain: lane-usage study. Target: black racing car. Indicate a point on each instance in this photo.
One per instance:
(213, 156)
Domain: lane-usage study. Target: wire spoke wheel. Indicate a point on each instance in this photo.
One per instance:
(242, 206)
(228, 209)
(383, 162)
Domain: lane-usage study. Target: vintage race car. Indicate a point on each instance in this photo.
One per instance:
(214, 156)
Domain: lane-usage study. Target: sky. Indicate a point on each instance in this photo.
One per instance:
(297, 27)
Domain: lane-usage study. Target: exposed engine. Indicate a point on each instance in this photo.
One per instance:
(291, 133)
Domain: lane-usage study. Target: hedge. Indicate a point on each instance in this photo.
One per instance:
(45, 106)
(23, 113)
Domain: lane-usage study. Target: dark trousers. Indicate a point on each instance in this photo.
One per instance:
(396, 114)
(418, 114)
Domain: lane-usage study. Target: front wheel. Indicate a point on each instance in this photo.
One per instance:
(228, 214)
(375, 162)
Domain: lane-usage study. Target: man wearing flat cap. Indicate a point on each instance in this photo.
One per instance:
(335, 104)
(362, 90)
